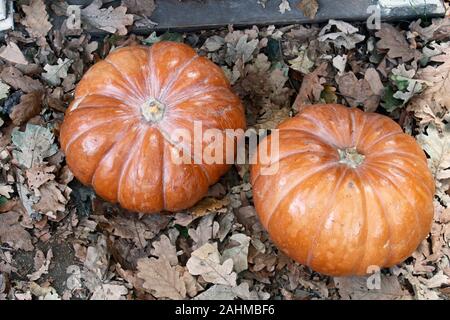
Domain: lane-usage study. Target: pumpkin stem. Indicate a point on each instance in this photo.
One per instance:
(153, 110)
(351, 157)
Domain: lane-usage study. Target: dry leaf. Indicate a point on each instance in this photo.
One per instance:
(395, 43)
(36, 19)
(357, 92)
(309, 8)
(54, 73)
(356, 288)
(12, 53)
(205, 261)
(161, 279)
(346, 37)
(109, 291)
(204, 231)
(15, 78)
(437, 146)
(312, 87)
(165, 249)
(239, 252)
(208, 205)
(302, 63)
(35, 144)
(439, 29)
(43, 269)
(140, 7)
(52, 199)
(13, 233)
(223, 292)
(284, 6)
(5, 190)
(111, 20)
(29, 106)
(436, 95)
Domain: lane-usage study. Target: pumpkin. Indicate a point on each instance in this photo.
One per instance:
(117, 131)
(352, 193)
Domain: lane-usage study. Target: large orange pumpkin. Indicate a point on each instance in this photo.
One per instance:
(352, 191)
(117, 132)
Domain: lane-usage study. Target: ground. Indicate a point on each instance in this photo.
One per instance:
(59, 241)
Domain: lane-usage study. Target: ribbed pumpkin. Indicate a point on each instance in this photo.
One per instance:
(117, 132)
(352, 191)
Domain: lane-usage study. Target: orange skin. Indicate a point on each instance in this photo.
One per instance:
(337, 219)
(110, 144)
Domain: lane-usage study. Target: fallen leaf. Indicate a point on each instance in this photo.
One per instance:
(357, 92)
(13, 233)
(5, 190)
(311, 88)
(439, 29)
(43, 268)
(436, 95)
(208, 205)
(109, 291)
(223, 292)
(140, 7)
(394, 41)
(214, 43)
(284, 6)
(161, 279)
(309, 8)
(12, 53)
(54, 73)
(437, 145)
(52, 199)
(30, 105)
(97, 258)
(36, 19)
(34, 144)
(239, 252)
(4, 90)
(109, 19)
(346, 37)
(356, 288)
(163, 248)
(302, 63)
(205, 261)
(204, 231)
(339, 62)
(16, 79)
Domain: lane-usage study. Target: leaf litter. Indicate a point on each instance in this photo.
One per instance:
(217, 249)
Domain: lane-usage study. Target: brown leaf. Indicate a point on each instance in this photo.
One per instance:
(13, 233)
(39, 174)
(206, 261)
(309, 8)
(16, 79)
(161, 279)
(312, 87)
(357, 92)
(13, 54)
(52, 199)
(165, 249)
(140, 7)
(357, 288)
(111, 20)
(438, 30)
(208, 205)
(204, 231)
(395, 43)
(36, 19)
(43, 268)
(29, 106)
(436, 97)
